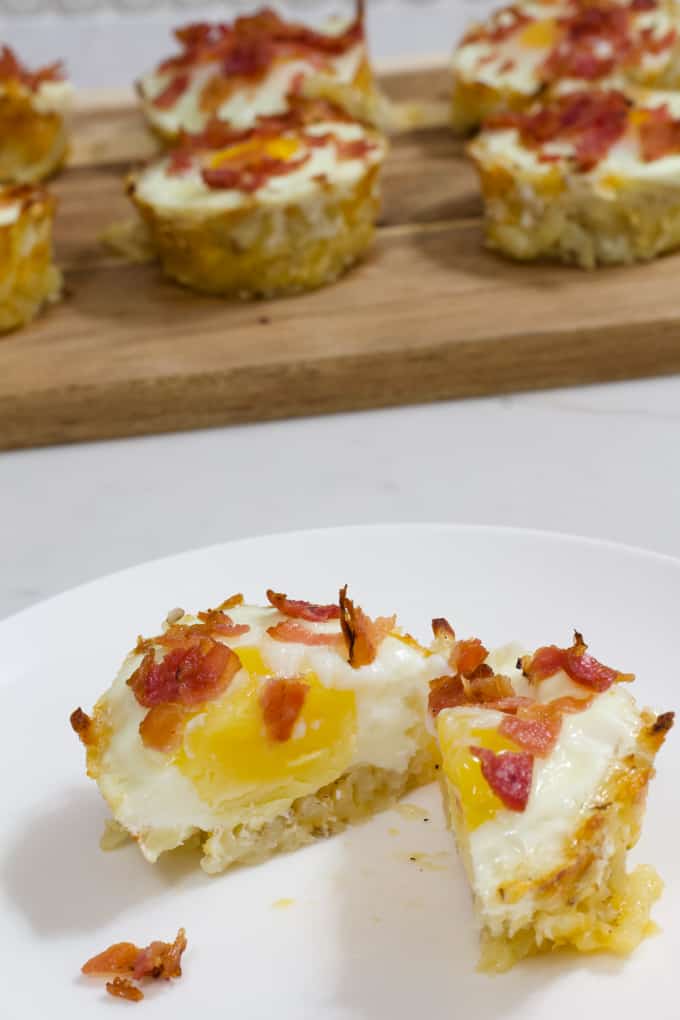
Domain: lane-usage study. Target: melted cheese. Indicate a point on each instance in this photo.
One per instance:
(188, 191)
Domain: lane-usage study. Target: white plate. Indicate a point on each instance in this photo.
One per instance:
(369, 933)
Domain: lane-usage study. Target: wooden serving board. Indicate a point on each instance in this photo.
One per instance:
(428, 315)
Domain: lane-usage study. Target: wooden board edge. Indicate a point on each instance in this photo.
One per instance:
(441, 372)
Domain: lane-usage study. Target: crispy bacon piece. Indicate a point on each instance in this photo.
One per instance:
(593, 121)
(122, 988)
(293, 632)
(82, 724)
(11, 69)
(232, 602)
(509, 774)
(214, 622)
(577, 664)
(536, 733)
(490, 690)
(125, 961)
(161, 959)
(363, 635)
(252, 44)
(502, 24)
(162, 727)
(188, 675)
(659, 134)
(175, 88)
(300, 610)
(464, 657)
(594, 40)
(119, 958)
(446, 692)
(281, 701)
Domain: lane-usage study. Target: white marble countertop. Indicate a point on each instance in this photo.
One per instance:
(598, 461)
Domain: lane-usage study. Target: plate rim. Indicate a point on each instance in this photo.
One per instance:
(542, 534)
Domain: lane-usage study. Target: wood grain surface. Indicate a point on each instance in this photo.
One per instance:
(429, 314)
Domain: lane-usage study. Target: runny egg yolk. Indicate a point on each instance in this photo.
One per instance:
(539, 34)
(255, 149)
(478, 803)
(231, 759)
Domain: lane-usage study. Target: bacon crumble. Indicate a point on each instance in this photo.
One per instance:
(363, 635)
(82, 725)
(123, 988)
(301, 610)
(295, 632)
(281, 701)
(509, 774)
(250, 46)
(593, 121)
(582, 668)
(126, 963)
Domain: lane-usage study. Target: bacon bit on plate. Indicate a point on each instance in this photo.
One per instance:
(538, 735)
(592, 121)
(300, 610)
(175, 88)
(577, 664)
(11, 69)
(125, 960)
(593, 41)
(232, 602)
(123, 988)
(659, 133)
(293, 632)
(189, 675)
(363, 635)
(281, 701)
(501, 26)
(253, 43)
(509, 775)
(82, 724)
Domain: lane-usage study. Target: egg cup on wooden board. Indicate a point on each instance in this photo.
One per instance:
(506, 62)
(258, 729)
(253, 67)
(28, 278)
(546, 760)
(33, 131)
(587, 178)
(283, 207)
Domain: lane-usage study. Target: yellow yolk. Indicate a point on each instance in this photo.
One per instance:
(252, 661)
(478, 803)
(539, 34)
(256, 148)
(230, 758)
